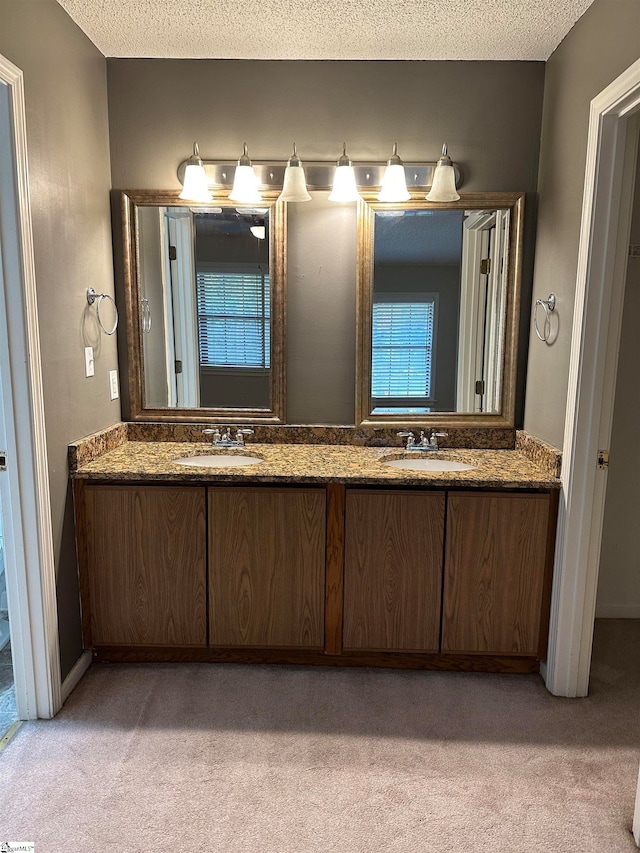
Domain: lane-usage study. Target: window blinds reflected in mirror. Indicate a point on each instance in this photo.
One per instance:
(438, 300)
(212, 282)
(402, 369)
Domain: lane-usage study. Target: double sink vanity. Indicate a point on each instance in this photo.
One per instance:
(311, 544)
(313, 553)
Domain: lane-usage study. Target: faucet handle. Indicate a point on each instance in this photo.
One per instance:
(436, 435)
(214, 432)
(411, 439)
(240, 434)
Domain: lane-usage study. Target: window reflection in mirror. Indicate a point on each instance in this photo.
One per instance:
(434, 286)
(207, 306)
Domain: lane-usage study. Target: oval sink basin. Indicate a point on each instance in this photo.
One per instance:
(422, 464)
(218, 460)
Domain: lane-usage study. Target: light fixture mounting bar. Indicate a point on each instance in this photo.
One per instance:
(319, 174)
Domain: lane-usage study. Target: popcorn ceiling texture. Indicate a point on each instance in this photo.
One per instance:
(328, 29)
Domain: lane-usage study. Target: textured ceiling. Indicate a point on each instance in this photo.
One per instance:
(327, 29)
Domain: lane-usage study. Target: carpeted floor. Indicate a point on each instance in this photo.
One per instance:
(229, 758)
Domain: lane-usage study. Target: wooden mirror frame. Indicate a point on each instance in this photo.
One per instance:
(138, 411)
(514, 202)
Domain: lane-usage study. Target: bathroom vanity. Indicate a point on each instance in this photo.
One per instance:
(318, 555)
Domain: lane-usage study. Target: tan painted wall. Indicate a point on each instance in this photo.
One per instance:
(68, 145)
(488, 112)
(619, 579)
(602, 44)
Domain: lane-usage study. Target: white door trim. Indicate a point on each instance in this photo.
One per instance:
(636, 816)
(596, 315)
(30, 568)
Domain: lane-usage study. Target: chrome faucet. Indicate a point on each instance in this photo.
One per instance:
(225, 438)
(423, 443)
(411, 439)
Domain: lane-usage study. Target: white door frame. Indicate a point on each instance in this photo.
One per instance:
(636, 816)
(24, 486)
(595, 335)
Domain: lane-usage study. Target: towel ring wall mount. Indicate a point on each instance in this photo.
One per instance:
(549, 306)
(92, 297)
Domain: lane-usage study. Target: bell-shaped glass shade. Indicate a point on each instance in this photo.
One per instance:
(258, 231)
(195, 185)
(294, 187)
(443, 187)
(245, 186)
(344, 185)
(394, 184)
(444, 184)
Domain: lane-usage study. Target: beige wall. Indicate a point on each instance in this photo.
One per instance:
(488, 112)
(68, 145)
(602, 44)
(619, 579)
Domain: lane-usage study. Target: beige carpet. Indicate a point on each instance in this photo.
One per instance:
(285, 760)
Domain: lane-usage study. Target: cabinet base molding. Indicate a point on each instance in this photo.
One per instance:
(438, 662)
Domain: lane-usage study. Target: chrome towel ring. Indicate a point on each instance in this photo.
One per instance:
(549, 305)
(146, 316)
(92, 297)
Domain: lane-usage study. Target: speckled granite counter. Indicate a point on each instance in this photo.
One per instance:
(314, 463)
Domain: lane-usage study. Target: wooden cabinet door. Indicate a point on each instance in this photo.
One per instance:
(146, 561)
(393, 570)
(494, 576)
(267, 567)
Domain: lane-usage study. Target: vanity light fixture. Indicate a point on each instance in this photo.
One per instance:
(444, 180)
(245, 181)
(394, 182)
(258, 231)
(290, 182)
(195, 187)
(344, 181)
(294, 187)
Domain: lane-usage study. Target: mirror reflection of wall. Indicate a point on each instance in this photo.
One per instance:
(205, 307)
(437, 311)
(416, 304)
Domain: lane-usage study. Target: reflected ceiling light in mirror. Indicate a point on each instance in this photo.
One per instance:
(394, 182)
(245, 181)
(444, 180)
(344, 182)
(294, 187)
(258, 231)
(195, 186)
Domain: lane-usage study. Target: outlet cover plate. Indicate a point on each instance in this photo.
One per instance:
(113, 384)
(89, 365)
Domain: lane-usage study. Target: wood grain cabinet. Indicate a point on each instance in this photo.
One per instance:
(496, 589)
(145, 580)
(441, 579)
(267, 567)
(393, 570)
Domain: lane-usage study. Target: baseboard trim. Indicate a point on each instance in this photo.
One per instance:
(71, 681)
(456, 662)
(618, 611)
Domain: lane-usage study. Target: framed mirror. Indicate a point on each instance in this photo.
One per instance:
(205, 307)
(438, 300)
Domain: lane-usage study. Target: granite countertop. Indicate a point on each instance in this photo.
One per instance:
(314, 463)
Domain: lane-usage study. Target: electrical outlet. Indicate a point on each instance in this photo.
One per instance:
(89, 366)
(113, 384)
